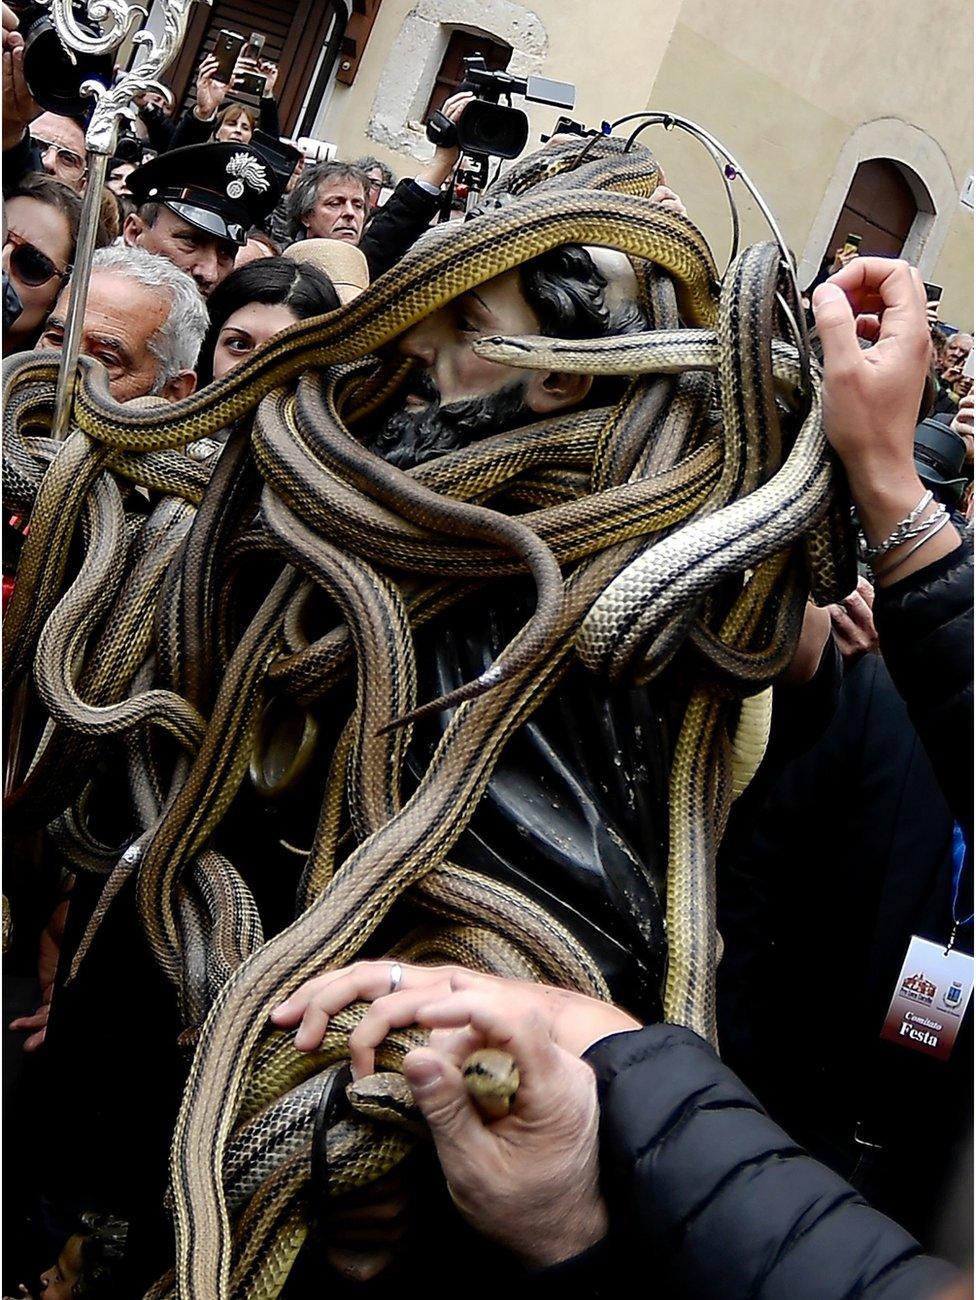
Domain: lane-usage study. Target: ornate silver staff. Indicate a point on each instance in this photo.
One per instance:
(111, 105)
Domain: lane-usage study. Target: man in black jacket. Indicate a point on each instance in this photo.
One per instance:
(331, 201)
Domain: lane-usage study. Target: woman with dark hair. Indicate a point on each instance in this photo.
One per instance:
(210, 120)
(42, 217)
(256, 302)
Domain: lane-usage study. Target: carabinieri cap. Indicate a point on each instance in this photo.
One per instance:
(222, 188)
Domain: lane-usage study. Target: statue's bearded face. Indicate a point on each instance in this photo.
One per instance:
(426, 426)
(454, 396)
(442, 342)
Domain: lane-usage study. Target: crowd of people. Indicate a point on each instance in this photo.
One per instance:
(631, 1149)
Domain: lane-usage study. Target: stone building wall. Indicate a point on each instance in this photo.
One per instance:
(799, 93)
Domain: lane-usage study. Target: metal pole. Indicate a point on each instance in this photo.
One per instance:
(112, 21)
(111, 104)
(90, 215)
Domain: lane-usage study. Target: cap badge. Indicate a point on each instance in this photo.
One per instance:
(246, 170)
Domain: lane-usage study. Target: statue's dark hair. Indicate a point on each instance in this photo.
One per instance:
(566, 291)
(102, 1251)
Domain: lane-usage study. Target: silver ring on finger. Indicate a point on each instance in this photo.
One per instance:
(396, 976)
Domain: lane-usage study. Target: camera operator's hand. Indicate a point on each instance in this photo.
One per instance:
(210, 92)
(11, 36)
(441, 165)
(19, 106)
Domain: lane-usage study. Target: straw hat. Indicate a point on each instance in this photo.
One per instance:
(342, 262)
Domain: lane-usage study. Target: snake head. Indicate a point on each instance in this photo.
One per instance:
(492, 1079)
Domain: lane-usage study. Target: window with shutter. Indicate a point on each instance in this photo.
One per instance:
(459, 47)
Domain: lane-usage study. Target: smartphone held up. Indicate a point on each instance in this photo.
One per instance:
(252, 82)
(226, 50)
(239, 62)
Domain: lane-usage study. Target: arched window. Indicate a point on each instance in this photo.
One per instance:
(881, 206)
(922, 164)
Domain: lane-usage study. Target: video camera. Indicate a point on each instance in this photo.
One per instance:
(54, 77)
(488, 128)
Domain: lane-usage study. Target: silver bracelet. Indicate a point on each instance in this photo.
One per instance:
(902, 532)
(942, 515)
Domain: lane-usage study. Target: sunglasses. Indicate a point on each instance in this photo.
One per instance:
(30, 265)
(66, 157)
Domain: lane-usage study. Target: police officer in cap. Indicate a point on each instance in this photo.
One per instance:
(196, 205)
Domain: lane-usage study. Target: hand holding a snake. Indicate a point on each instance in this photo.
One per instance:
(530, 1180)
(434, 996)
(871, 396)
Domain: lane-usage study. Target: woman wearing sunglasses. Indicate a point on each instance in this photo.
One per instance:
(42, 217)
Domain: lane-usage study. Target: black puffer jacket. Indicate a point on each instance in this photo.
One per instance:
(397, 225)
(849, 855)
(710, 1200)
(925, 626)
(708, 1197)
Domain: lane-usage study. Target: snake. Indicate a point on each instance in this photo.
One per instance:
(445, 263)
(591, 507)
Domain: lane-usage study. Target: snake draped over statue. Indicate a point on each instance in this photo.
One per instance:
(193, 641)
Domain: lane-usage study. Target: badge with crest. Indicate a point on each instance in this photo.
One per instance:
(246, 171)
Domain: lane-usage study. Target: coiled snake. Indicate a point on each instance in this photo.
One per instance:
(637, 545)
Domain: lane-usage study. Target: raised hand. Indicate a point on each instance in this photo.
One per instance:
(210, 92)
(871, 395)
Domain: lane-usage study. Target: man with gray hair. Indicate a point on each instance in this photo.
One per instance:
(953, 385)
(144, 321)
(331, 201)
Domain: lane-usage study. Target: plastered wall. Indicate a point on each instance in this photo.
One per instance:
(799, 92)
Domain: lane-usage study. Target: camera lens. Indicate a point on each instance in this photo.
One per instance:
(487, 128)
(129, 149)
(54, 80)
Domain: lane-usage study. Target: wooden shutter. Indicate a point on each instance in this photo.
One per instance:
(461, 45)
